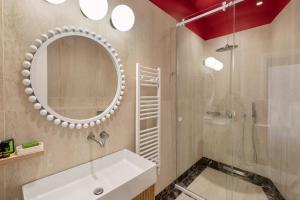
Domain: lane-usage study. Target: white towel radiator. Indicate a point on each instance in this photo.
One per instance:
(148, 109)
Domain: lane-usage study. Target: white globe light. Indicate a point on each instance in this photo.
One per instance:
(56, 1)
(94, 9)
(122, 18)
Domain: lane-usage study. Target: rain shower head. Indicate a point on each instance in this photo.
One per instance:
(227, 48)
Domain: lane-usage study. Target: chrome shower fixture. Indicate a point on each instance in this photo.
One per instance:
(254, 111)
(227, 47)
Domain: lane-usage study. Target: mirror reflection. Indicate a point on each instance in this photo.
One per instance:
(81, 77)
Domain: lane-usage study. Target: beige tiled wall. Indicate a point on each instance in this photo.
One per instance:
(2, 171)
(190, 98)
(151, 42)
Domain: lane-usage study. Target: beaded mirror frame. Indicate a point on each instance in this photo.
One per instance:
(40, 44)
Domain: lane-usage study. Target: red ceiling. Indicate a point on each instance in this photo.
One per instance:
(248, 15)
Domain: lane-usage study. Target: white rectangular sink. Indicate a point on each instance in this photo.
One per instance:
(122, 175)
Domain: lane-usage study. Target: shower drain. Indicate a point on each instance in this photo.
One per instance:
(98, 191)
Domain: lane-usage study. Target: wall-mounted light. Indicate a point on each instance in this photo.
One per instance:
(94, 9)
(213, 63)
(122, 18)
(55, 1)
(259, 2)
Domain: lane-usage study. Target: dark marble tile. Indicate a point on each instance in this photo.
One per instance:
(171, 193)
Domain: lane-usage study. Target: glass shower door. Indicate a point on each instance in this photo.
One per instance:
(205, 113)
(267, 136)
(238, 126)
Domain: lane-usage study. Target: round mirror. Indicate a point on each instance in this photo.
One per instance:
(73, 77)
(81, 78)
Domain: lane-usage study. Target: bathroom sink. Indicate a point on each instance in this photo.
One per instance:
(119, 176)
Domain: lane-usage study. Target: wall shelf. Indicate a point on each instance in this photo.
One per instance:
(14, 157)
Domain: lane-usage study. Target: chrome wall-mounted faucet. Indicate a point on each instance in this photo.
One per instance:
(103, 137)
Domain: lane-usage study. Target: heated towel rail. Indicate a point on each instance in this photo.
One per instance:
(148, 96)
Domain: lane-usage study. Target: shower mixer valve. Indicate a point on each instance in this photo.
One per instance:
(230, 114)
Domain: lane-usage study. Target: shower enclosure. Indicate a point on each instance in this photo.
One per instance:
(238, 106)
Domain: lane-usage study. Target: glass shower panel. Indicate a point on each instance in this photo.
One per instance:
(283, 102)
(204, 112)
(250, 126)
(241, 124)
(266, 134)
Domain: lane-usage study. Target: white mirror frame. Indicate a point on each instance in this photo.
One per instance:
(42, 42)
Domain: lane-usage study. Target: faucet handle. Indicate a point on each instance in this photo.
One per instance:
(104, 135)
(91, 135)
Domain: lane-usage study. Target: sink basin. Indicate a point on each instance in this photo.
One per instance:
(119, 176)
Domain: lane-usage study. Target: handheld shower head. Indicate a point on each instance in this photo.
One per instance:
(254, 115)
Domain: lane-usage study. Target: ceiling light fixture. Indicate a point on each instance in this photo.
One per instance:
(213, 63)
(122, 18)
(55, 1)
(259, 2)
(94, 9)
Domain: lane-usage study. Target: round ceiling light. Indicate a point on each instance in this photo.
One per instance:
(94, 9)
(56, 1)
(122, 18)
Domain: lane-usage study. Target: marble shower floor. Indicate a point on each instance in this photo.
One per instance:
(215, 185)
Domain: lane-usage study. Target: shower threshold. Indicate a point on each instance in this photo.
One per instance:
(188, 193)
(234, 171)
